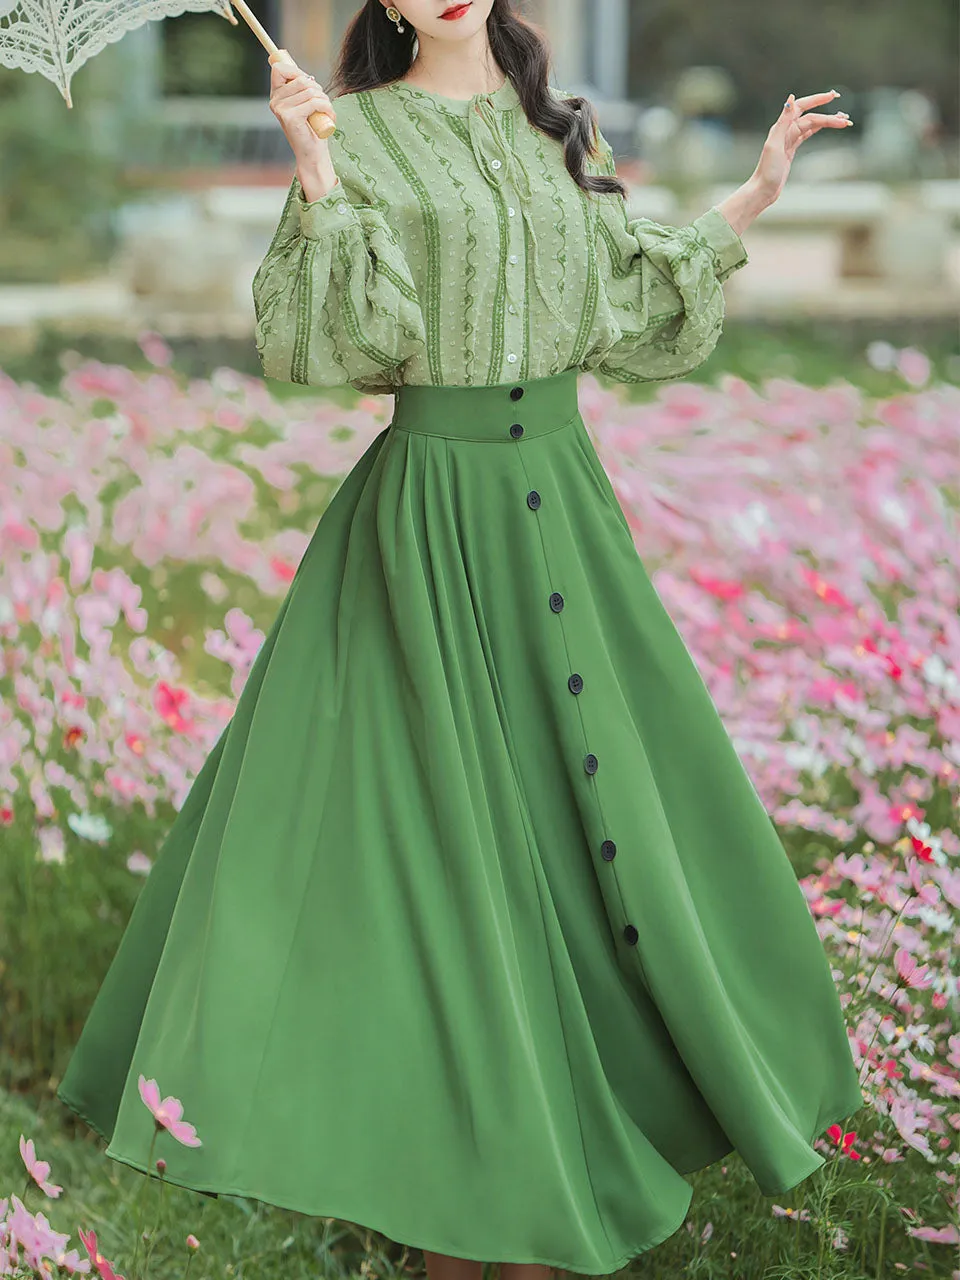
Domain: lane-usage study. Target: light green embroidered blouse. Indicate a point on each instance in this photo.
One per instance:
(456, 248)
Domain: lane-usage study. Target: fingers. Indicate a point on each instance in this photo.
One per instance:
(285, 67)
(811, 123)
(814, 99)
(784, 120)
(791, 114)
(285, 73)
(303, 105)
(793, 107)
(282, 76)
(294, 87)
(318, 102)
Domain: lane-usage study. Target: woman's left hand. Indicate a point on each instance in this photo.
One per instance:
(785, 136)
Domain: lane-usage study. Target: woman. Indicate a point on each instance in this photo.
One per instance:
(473, 929)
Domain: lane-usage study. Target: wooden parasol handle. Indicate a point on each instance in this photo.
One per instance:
(321, 123)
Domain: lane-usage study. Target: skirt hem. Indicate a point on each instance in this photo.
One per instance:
(454, 1251)
(794, 1179)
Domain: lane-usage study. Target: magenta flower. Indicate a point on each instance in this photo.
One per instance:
(37, 1169)
(826, 591)
(282, 568)
(105, 1269)
(168, 702)
(167, 1113)
(722, 588)
(844, 1141)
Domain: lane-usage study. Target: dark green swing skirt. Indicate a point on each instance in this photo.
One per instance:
(473, 929)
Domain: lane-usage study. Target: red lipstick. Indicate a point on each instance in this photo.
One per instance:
(456, 11)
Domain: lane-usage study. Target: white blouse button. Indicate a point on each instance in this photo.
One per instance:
(512, 358)
(511, 211)
(342, 207)
(495, 164)
(513, 257)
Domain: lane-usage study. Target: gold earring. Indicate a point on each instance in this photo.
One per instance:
(394, 14)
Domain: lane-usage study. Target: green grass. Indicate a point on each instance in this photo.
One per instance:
(238, 1237)
(248, 1240)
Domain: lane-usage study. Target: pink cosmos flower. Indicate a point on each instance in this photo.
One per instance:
(936, 1235)
(72, 1263)
(901, 812)
(283, 569)
(167, 1113)
(105, 1268)
(168, 702)
(722, 588)
(911, 973)
(156, 350)
(828, 593)
(913, 366)
(37, 1169)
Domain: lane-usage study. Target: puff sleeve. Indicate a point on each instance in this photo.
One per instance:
(334, 298)
(663, 285)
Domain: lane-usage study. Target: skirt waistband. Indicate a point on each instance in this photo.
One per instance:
(503, 412)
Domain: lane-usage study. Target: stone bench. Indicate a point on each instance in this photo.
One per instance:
(892, 233)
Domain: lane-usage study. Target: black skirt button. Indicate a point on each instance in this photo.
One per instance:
(590, 762)
(575, 682)
(630, 934)
(533, 499)
(516, 393)
(556, 601)
(608, 851)
(516, 431)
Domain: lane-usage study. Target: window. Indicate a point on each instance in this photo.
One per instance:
(203, 55)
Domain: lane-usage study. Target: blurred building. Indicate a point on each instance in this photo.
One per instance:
(199, 86)
(589, 37)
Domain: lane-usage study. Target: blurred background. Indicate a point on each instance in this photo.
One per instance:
(153, 199)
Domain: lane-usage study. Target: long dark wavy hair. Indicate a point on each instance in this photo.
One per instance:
(373, 53)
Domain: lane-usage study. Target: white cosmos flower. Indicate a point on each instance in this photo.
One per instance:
(90, 826)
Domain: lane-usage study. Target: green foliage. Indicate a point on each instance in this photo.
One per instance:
(205, 55)
(771, 50)
(817, 353)
(814, 352)
(58, 188)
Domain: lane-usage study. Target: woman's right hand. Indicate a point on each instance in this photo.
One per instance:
(294, 96)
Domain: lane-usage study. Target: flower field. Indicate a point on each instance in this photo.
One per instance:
(807, 544)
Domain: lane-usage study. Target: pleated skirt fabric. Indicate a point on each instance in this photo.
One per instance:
(473, 929)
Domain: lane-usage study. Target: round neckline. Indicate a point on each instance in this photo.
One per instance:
(503, 99)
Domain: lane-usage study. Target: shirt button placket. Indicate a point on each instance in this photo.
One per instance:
(514, 261)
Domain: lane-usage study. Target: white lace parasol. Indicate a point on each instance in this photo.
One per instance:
(55, 37)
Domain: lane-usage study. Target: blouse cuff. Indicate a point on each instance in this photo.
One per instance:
(731, 252)
(330, 213)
